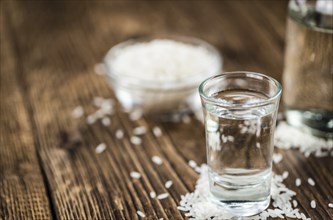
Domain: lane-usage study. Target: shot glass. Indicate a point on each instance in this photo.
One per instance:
(240, 110)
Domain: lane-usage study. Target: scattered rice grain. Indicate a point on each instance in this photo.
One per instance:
(277, 158)
(135, 175)
(119, 134)
(197, 169)
(330, 205)
(313, 204)
(107, 104)
(230, 138)
(91, 119)
(168, 184)
(163, 196)
(295, 203)
(100, 148)
(192, 163)
(157, 131)
(243, 130)
(285, 174)
(152, 195)
(224, 139)
(182, 208)
(135, 115)
(136, 140)
(288, 137)
(197, 205)
(77, 112)
(298, 182)
(141, 214)
(157, 160)
(106, 121)
(311, 181)
(97, 101)
(139, 130)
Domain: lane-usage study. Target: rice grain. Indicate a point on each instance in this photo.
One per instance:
(119, 134)
(106, 121)
(313, 204)
(136, 140)
(285, 174)
(168, 184)
(97, 101)
(157, 131)
(91, 119)
(288, 137)
(311, 181)
(192, 163)
(135, 175)
(78, 112)
(198, 206)
(277, 158)
(152, 195)
(135, 115)
(100, 148)
(139, 130)
(157, 160)
(230, 138)
(162, 196)
(141, 214)
(182, 208)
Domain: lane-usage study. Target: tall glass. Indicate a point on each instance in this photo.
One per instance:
(308, 70)
(240, 110)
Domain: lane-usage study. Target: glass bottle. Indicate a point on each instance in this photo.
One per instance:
(308, 72)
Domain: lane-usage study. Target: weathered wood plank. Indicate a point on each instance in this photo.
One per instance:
(60, 43)
(22, 190)
(82, 184)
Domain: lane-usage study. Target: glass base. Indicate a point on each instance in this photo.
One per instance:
(315, 122)
(243, 208)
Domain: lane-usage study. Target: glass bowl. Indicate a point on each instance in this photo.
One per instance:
(162, 94)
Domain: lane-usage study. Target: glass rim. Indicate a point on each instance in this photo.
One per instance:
(247, 74)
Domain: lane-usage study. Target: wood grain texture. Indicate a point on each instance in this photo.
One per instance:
(58, 44)
(22, 190)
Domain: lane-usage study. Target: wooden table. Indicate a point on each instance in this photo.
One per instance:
(48, 165)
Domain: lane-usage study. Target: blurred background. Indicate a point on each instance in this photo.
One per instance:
(249, 34)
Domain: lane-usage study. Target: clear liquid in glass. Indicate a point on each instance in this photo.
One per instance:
(239, 151)
(308, 71)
